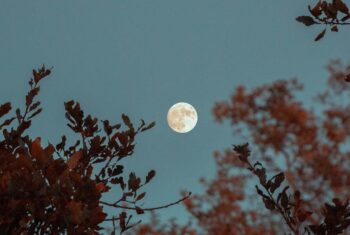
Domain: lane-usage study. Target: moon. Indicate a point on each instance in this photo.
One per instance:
(182, 117)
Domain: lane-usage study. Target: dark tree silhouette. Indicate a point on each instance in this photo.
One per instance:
(332, 14)
(306, 153)
(58, 189)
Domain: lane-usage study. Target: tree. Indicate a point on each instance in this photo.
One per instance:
(333, 13)
(305, 149)
(58, 189)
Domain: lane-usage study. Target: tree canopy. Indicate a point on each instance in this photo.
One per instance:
(58, 189)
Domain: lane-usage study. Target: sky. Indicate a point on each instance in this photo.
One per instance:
(141, 57)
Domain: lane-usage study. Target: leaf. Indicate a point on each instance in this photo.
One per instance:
(117, 170)
(36, 76)
(40, 73)
(5, 108)
(330, 11)
(268, 203)
(140, 196)
(150, 175)
(334, 28)
(278, 179)
(284, 200)
(243, 151)
(261, 173)
(18, 114)
(341, 6)
(35, 148)
(7, 122)
(118, 180)
(35, 113)
(281, 194)
(122, 137)
(320, 35)
(127, 121)
(107, 128)
(316, 10)
(60, 146)
(345, 18)
(133, 182)
(74, 159)
(32, 93)
(34, 106)
(151, 125)
(306, 20)
(139, 210)
(100, 187)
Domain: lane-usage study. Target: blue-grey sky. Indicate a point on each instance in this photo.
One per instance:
(141, 57)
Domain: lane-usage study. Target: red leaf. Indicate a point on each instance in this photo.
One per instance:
(306, 20)
(127, 121)
(5, 108)
(341, 6)
(7, 122)
(100, 187)
(151, 125)
(74, 159)
(334, 28)
(316, 10)
(320, 35)
(150, 175)
(139, 210)
(36, 149)
(140, 196)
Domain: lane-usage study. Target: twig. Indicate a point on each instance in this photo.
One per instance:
(146, 209)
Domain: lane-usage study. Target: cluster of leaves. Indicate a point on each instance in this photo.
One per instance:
(333, 14)
(58, 189)
(310, 145)
(291, 206)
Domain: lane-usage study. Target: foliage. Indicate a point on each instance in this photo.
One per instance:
(291, 206)
(333, 13)
(58, 189)
(306, 149)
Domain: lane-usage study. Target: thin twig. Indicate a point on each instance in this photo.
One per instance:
(146, 209)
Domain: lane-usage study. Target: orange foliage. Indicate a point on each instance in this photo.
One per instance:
(309, 144)
(58, 189)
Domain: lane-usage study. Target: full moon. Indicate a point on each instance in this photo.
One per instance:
(182, 117)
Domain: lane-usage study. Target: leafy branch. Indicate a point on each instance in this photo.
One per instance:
(333, 14)
(291, 206)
